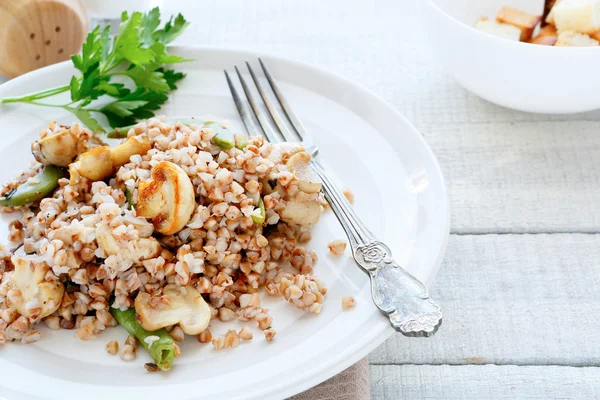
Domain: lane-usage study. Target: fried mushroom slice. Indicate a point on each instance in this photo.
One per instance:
(301, 212)
(135, 251)
(34, 297)
(60, 145)
(59, 149)
(181, 305)
(100, 163)
(168, 198)
(308, 180)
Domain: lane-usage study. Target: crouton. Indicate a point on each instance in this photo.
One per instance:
(520, 19)
(547, 36)
(505, 31)
(550, 5)
(595, 36)
(574, 39)
(581, 16)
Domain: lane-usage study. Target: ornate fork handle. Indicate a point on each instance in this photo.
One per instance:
(399, 295)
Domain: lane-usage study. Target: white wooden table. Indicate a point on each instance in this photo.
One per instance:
(520, 284)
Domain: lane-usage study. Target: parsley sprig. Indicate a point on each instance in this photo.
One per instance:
(139, 52)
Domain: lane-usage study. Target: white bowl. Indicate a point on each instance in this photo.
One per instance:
(522, 76)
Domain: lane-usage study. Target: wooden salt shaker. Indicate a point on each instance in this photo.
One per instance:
(36, 33)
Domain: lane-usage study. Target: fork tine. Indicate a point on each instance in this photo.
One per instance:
(242, 108)
(287, 134)
(270, 134)
(300, 129)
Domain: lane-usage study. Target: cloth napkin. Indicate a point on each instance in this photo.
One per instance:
(351, 384)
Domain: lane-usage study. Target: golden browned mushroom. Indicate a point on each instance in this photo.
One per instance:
(185, 307)
(300, 211)
(134, 145)
(100, 163)
(136, 251)
(281, 151)
(36, 297)
(59, 149)
(96, 164)
(168, 198)
(308, 180)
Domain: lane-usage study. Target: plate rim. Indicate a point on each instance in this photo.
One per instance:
(332, 366)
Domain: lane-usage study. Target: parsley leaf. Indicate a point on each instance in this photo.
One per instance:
(86, 117)
(128, 40)
(139, 104)
(124, 108)
(138, 52)
(160, 51)
(147, 77)
(150, 22)
(171, 30)
(91, 52)
(113, 89)
(172, 77)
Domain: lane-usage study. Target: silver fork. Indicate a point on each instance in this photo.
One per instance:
(399, 295)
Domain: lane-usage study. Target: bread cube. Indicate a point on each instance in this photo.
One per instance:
(575, 39)
(550, 17)
(505, 31)
(547, 36)
(520, 19)
(595, 36)
(581, 16)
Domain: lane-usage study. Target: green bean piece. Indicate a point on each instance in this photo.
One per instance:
(161, 350)
(119, 133)
(39, 187)
(129, 200)
(223, 137)
(261, 219)
(241, 141)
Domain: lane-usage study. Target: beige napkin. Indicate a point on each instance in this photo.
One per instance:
(351, 384)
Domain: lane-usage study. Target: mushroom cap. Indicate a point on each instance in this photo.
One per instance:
(168, 198)
(308, 180)
(39, 298)
(136, 251)
(134, 145)
(279, 151)
(185, 306)
(96, 164)
(101, 162)
(59, 149)
(300, 212)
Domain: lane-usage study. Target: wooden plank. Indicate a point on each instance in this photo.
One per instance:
(526, 177)
(444, 382)
(512, 299)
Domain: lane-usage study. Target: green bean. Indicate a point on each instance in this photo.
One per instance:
(260, 219)
(40, 186)
(129, 199)
(241, 141)
(223, 137)
(119, 133)
(161, 350)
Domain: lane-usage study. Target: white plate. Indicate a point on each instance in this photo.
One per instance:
(373, 150)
